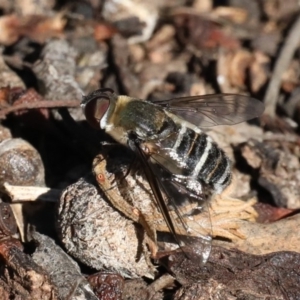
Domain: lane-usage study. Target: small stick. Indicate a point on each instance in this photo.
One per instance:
(39, 104)
(164, 281)
(282, 63)
(31, 193)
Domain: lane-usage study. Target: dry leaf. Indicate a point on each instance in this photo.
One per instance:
(38, 28)
(234, 14)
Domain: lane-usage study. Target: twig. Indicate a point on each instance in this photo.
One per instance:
(31, 193)
(163, 282)
(282, 63)
(39, 104)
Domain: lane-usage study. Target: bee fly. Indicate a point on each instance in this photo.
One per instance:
(173, 151)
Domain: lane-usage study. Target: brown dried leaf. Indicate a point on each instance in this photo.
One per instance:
(268, 213)
(137, 53)
(29, 7)
(9, 26)
(239, 64)
(134, 19)
(279, 9)
(164, 35)
(290, 77)
(259, 71)
(161, 46)
(232, 69)
(201, 33)
(278, 171)
(203, 6)
(5, 133)
(38, 28)
(233, 14)
(4, 96)
(41, 28)
(104, 31)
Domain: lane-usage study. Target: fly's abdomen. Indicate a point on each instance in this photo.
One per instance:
(202, 158)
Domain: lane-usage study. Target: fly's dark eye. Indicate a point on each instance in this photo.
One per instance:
(95, 109)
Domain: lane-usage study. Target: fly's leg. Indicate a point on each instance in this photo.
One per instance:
(133, 164)
(188, 184)
(193, 189)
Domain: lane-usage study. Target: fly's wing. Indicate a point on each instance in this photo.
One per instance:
(190, 215)
(212, 110)
(185, 216)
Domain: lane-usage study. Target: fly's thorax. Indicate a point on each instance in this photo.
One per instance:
(141, 118)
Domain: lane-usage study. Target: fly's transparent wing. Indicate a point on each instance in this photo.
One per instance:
(186, 216)
(212, 110)
(190, 215)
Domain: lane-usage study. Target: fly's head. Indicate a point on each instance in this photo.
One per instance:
(97, 106)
